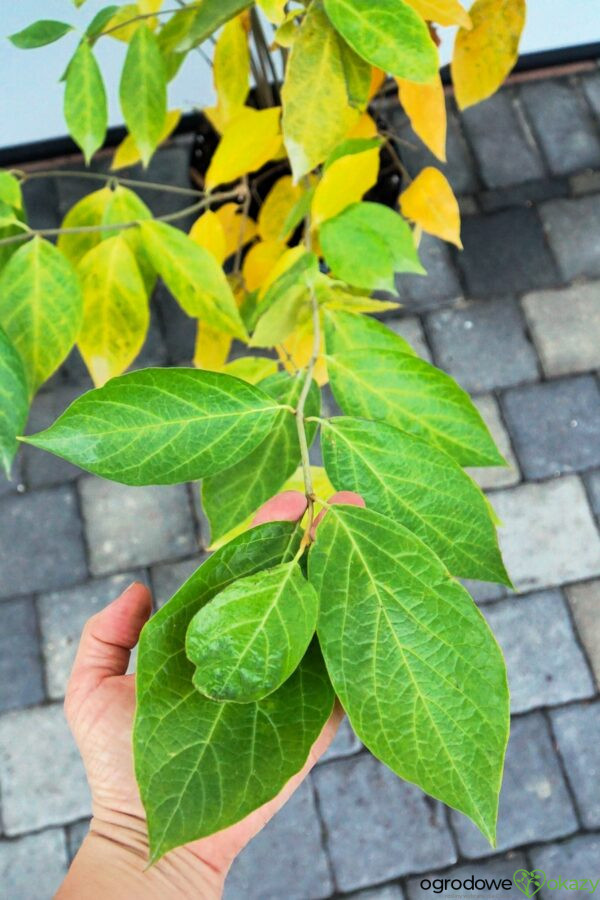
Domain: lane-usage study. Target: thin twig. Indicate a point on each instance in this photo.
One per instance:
(237, 263)
(100, 176)
(161, 12)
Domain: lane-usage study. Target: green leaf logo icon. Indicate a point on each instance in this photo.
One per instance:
(529, 882)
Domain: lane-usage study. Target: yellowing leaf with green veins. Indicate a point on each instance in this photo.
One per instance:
(430, 202)
(87, 212)
(231, 69)
(252, 138)
(193, 276)
(86, 108)
(287, 32)
(287, 261)
(419, 487)
(143, 92)
(346, 331)
(274, 10)
(366, 244)
(485, 55)
(443, 12)
(40, 308)
(317, 113)
(387, 33)
(252, 369)
(425, 106)
(115, 309)
(344, 182)
(161, 426)
(208, 232)
(412, 395)
(412, 660)
(212, 348)
(14, 401)
(276, 208)
(239, 229)
(332, 295)
(10, 190)
(127, 153)
(40, 33)
(260, 261)
(286, 303)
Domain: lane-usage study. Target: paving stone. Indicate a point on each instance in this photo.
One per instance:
(41, 468)
(286, 859)
(33, 867)
(573, 230)
(576, 858)
(345, 743)
(591, 89)
(495, 476)
(14, 484)
(555, 426)
(379, 827)
(584, 600)
(483, 591)
(548, 535)
(135, 526)
(505, 152)
(505, 253)
(493, 871)
(411, 329)
(585, 183)
(534, 801)
(593, 485)
(75, 836)
(41, 773)
(440, 287)
(21, 682)
(577, 732)
(40, 196)
(168, 578)
(62, 617)
(565, 326)
(387, 892)
(545, 664)
(41, 544)
(483, 345)
(562, 124)
(525, 194)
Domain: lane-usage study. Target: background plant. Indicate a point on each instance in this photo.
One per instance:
(232, 686)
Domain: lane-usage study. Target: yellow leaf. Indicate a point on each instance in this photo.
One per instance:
(208, 232)
(364, 128)
(288, 31)
(127, 153)
(212, 348)
(377, 81)
(274, 10)
(484, 56)
(285, 262)
(335, 295)
(251, 139)
(251, 368)
(259, 262)
(444, 12)
(149, 6)
(276, 208)
(231, 70)
(344, 182)
(430, 203)
(128, 13)
(296, 351)
(115, 309)
(237, 227)
(425, 106)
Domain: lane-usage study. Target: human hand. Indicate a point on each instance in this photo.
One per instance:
(100, 707)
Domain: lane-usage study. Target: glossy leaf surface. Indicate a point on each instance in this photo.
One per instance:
(14, 401)
(86, 107)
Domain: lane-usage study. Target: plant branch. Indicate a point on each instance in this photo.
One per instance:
(237, 265)
(161, 12)
(100, 176)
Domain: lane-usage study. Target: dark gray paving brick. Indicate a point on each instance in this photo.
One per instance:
(135, 526)
(40, 468)
(562, 124)
(41, 202)
(576, 858)
(534, 801)
(584, 600)
(379, 828)
(440, 287)
(483, 345)
(545, 664)
(21, 682)
(411, 329)
(591, 89)
(505, 152)
(345, 743)
(573, 229)
(286, 859)
(169, 577)
(525, 194)
(492, 871)
(14, 484)
(75, 836)
(587, 182)
(33, 867)
(577, 732)
(505, 253)
(41, 543)
(495, 476)
(555, 426)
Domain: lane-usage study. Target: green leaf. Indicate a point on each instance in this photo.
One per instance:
(101, 19)
(10, 190)
(346, 331)
(40, 33)
(387, 33)
(252, 369)
(201, 765)
(193, 276)
(366, 244)
(143, 92)
(40, 308)
(14, 401)
(86, 109)
(250, 638)
(286, 303)
(357, 74)
(414, 396)
(412, 660)
(211, 15)
(233, 495)
(299, 211)
(418, 486)
(352, 147)
(161, 426)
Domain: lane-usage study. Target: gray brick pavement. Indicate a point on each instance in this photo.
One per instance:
(577, 857)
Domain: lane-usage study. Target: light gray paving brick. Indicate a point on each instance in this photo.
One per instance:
(41, 773)
(483, 591)
(168, 578)
(585, 183)
(573, 230)
(592, 481)
(577, 732)
(440, 287)
(33, 867)
(411, 330)
(584, 600)
(379, 827)
(286, 859)
(548, 536)
(565, 326)
(495, 476)
(345, 743)
(491, 872)
(62, 616)
(41, 468)
(75, 836)
(386, 892)
(545, 664)
(534, 801)
(135, 526)
(573, 859)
